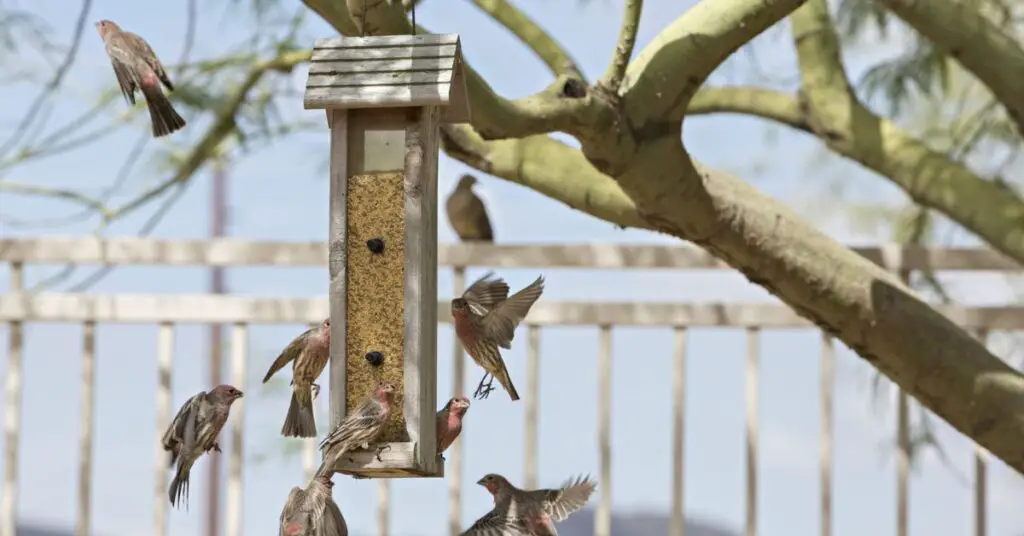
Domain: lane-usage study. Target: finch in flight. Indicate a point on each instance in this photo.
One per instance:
(486, 318)
(137, 68)
(308, 354)
(529, 512)
(194, 431)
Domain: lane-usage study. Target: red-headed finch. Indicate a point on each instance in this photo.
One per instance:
(308, 354)
(449, 422)
(467, 213)
(194, 431)
(137, 68)
(312, 511)
(532, 512)
(486, 318)
(360, 428)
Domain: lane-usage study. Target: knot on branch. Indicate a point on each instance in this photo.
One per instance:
(573, 88)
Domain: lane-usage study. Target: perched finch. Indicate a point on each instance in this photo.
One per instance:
(137, 67)
(312, 511)
(308, 353)
(194, 431)
(530, 512)
(449, 422)
(360, 427)
(467, 213)
(485, 319)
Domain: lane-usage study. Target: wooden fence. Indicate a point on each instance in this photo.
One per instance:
(19, 307)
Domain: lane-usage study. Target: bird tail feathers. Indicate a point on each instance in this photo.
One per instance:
(506, 382)
(179, 486)
(300, 421)
(163, 115)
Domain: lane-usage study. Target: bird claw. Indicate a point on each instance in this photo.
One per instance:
(316, 390)
(380, 449)
(483, 389)
(216, 447)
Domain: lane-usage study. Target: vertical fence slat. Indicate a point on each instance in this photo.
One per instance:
(165, 361)
(239, 350)
(383, 500)
(753, 335)
(825, 463)
(981, 474)
(532, 405)
(453, 468)
(678, 521)
(88, 424)
(12, 413)
(603, 514)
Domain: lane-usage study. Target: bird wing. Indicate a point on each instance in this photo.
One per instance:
(500, 324)
(496, 523)
(334, 523)
(479, 213)
(291, 525)
(357, 426)
(144, 51)
(560, 503)
(485, 293)
(121, 60)
(289, 353)
(186, 414)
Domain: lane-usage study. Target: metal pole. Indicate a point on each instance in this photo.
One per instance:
(218, 210)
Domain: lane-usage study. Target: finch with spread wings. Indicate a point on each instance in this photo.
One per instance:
(485, 319)
(519, 512)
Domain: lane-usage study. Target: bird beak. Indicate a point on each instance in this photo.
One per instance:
(480, 482)
(240, 394)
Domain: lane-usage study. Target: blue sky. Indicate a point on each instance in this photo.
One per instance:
(279, 194)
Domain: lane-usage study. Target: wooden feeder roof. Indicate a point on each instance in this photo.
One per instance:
(389, 72)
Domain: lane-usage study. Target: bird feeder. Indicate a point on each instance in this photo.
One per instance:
(385, 98)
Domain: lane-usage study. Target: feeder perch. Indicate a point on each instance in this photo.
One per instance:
(385, 97)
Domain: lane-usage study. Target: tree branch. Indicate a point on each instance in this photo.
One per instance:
(667, 73)
(612, 79)
(547, 166)
(93, 205)
(764, 103)
(532, 35)
(981, 47)
(930, 178)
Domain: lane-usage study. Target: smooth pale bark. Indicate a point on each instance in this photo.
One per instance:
(633, 171)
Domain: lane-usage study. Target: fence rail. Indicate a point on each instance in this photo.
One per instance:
(167, 311)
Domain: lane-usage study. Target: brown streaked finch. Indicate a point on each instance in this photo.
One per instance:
(535, 511)
(360, 428)
(467, 214)
(486, 318)
(137, 68)
(194, 431)
(308, 354)
(312, 511)
(449, 422)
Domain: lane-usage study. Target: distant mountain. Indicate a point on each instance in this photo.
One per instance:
(638, 524)
(30, 530)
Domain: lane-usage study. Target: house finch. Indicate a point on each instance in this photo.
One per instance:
(312, 511)
(467, 213)
(360, 427)
(531, 512)
(485, 319)
(308, 353)
(194, 431)
(137, 67)
(449, 422)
